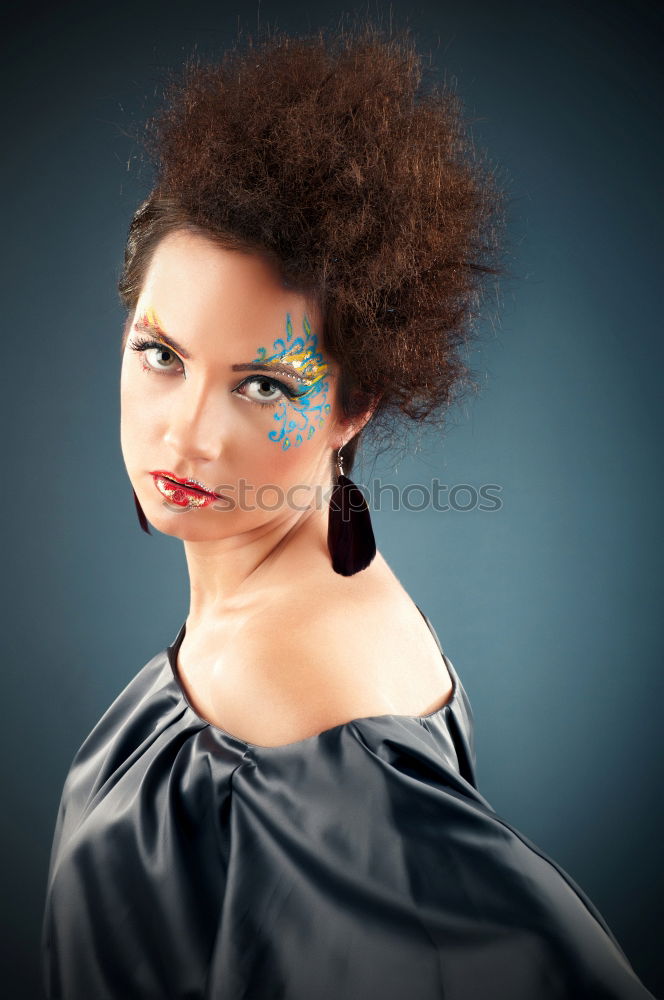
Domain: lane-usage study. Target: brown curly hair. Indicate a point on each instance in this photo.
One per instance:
(329, 154)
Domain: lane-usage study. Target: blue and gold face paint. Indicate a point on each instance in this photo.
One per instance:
(299, 418)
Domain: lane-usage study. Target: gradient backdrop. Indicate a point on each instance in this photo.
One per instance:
(549, 607)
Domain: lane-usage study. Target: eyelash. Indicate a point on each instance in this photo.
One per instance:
(142, 345)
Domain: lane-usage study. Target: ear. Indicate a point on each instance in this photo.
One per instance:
(346, 429)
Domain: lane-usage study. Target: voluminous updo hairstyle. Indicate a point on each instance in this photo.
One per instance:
(329, 154)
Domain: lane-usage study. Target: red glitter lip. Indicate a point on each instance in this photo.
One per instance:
(183, 492)
(183, 482)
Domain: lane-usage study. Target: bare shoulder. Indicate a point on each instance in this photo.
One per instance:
(352, 648)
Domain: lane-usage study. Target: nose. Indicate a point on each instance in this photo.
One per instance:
(197, 426)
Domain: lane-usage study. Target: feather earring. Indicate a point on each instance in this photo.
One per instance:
(350, 537)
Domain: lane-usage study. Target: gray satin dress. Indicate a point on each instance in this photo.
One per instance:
(358, 864)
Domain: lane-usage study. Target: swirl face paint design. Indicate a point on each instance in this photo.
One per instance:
(311, 406)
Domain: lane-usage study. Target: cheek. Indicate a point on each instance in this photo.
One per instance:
(142, 394)
(126, 405)
(128, 381)
(269, 461)
(136, 419)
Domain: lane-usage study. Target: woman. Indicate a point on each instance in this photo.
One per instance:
(282, 803)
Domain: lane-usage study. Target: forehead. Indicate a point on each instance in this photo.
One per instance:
(196, 285)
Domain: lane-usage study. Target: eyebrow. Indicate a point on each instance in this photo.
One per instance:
(146, 326)
(273, 366)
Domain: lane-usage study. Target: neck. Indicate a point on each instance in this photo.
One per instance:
(226, 573)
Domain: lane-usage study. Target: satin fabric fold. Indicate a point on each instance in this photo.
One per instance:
(358, 864)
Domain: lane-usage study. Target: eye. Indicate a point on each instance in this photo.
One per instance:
(265, 391)
(143, 345)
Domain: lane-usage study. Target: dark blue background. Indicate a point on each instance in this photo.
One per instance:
(550, 607)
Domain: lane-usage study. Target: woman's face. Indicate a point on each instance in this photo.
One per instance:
(242, 399)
